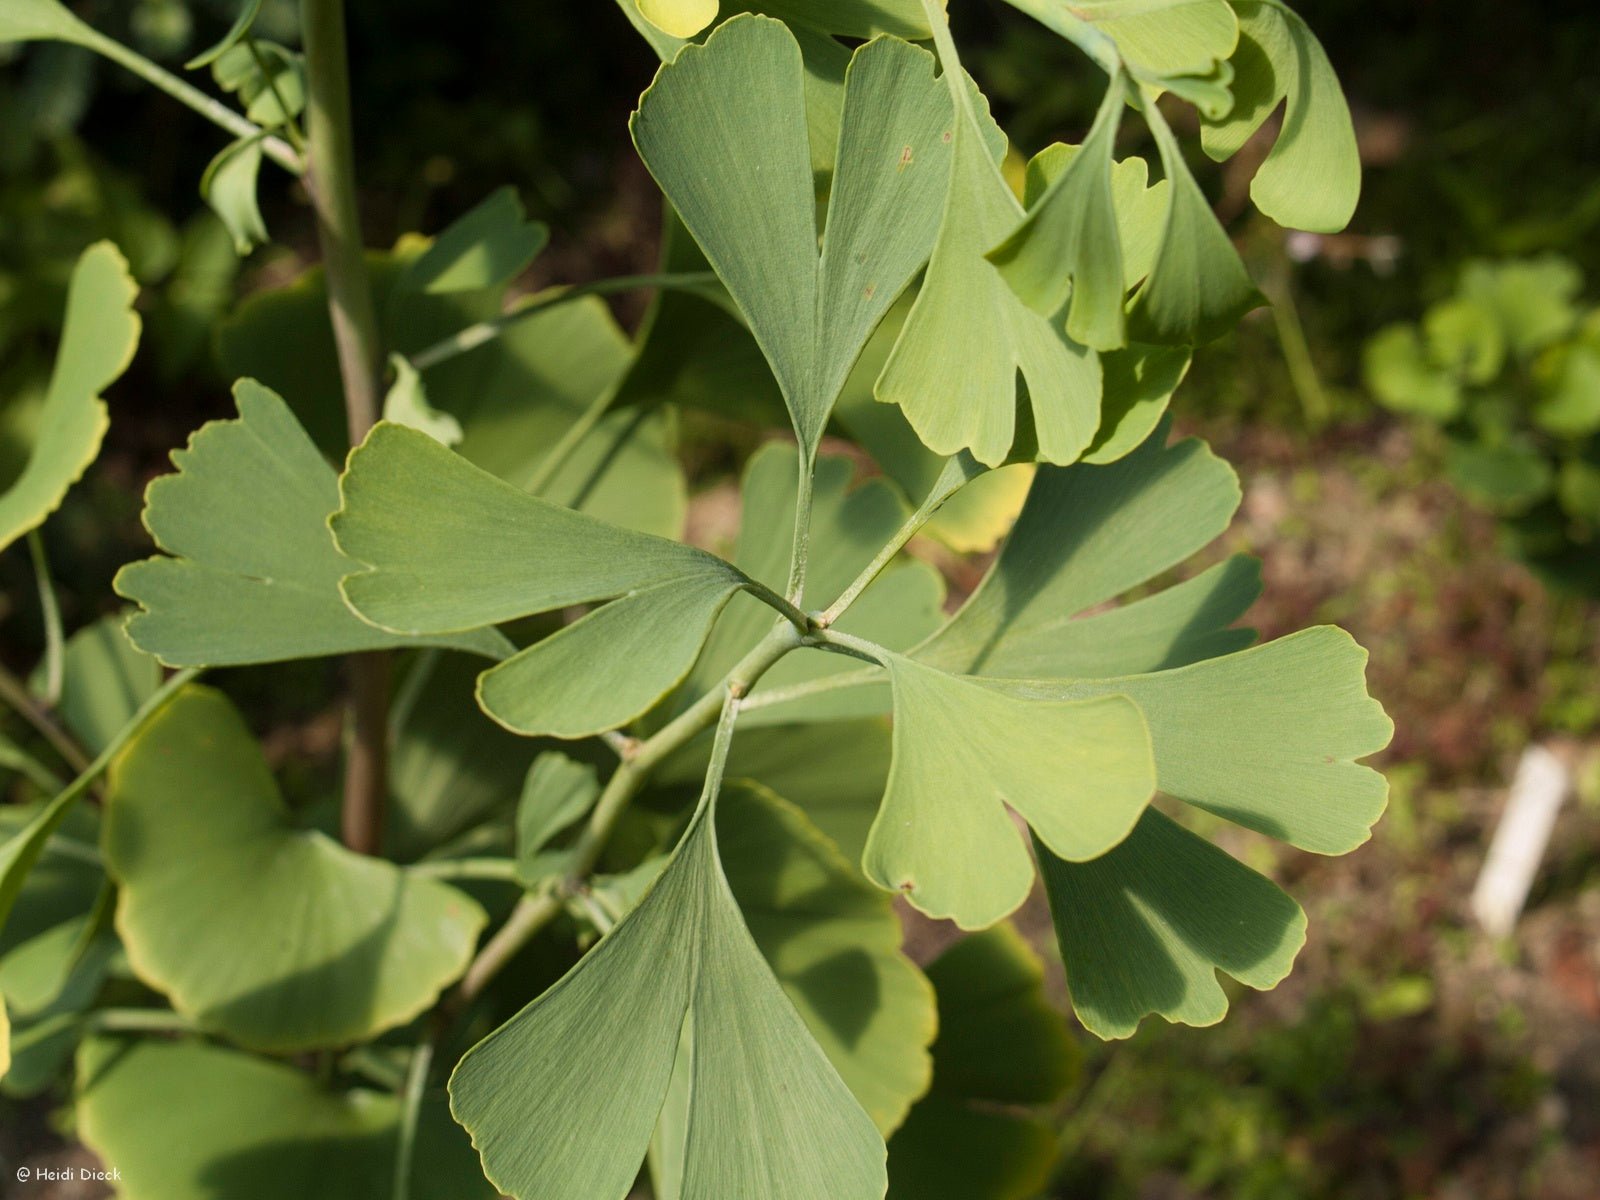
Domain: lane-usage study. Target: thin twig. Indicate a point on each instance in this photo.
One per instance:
(15, 694)
(50, 612)
(211, 109)
(476, 335)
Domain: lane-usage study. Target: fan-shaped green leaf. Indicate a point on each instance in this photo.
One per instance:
(1158, 40)
(42, 20)
(1080, 774)
(245, 521)
(680, 18)
(1311, 179)
(406, 403)
(1139, 383)
(98, 336)
(851, 18)
(976, 516)
(968, 338)
(485, 248)
(183, 1120)
(723, 129)
(1464, 336)
(562, 1099)
(1001, 1048)
(833, 941)
(286, 941)
(229, 187)
(481, 551)
(1533, 298)
(1086, 535)
(1402, 376)
(49, 983)
(1070, 245)
(1145, 928)
(610, 665)
(1087, 215)
(1197, 288)
(1267, 737)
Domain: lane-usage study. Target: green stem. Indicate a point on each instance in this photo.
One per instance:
(538, 908)
(15, 694)
(1296, 349)
(835, 642)
(140, 1020)
(50, 611)
(410, 1114)
(800, 553)
(957, 471)
(500, 869)
(474, 336)
(212, 110)
(331, 180)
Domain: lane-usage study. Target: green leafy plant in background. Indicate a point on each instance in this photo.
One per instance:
(1508, 367)
(622, 818)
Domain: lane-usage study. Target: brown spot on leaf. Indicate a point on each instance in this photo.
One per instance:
(905, 158)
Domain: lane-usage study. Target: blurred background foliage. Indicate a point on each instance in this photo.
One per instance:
(1405, 1057)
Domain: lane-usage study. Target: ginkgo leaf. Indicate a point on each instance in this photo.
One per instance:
(611, 665)
(1400, 373)
(1535, 299)
(485, 248)
(186, 1120)
(49, 983)
(1080, 774)
(1157, 40)
(1168, 37)
(556, 793)
(1311, 179)
(850, 18)
(563, 1098)
(1070, 243)
(287, 941)
(98, 336)
(833, 941)
(244, 519)
(1091, 216)
(680, 18)
(968, 338)
(229, 187)
(723, 129)
(42, 20)
(1138, 384)
(1086, 535)
(976, 516)
(406, 403)
(1001, 1050)
(1256, 736)
(481, 551)
(848, 526)
(1144, 928)
(1197, 288)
